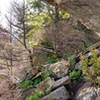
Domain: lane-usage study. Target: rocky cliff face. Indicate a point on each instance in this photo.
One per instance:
(60, 86)
(88, 11)
(82, 29)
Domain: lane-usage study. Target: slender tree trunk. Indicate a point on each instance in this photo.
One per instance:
(56, 27)
(31, 58)
(56, 13)
(24, 38)
(11, 58)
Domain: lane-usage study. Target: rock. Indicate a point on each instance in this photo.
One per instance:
(88, 93)
(34, 71)
(27, 93)
(60, 69)
(63, 81)
(46, 85)
(87, 11)
(78, 65)
(30, 74)
(59, 94)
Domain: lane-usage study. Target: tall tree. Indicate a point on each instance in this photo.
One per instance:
(19, 24)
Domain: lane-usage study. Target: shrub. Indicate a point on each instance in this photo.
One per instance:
(45, 74)
(26, 84)
(36, 96)
(37, 81)
(52, 58)
(75, 75)
(30, 83)
(91, 68)
(71, 60)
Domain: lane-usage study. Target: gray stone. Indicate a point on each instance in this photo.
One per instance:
(78, 65)
(88, 93)
(26, 93)
(60, 69)
(59, 94)
(63, 81)
(46, 85)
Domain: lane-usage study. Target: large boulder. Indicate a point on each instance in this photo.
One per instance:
(46, 86)
(59, 94)
(87, 92)
(60, 69)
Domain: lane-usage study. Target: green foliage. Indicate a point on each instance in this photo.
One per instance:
(30, 83)
(46, 74)
(91, 68)
(26, 84)
(36, 4)
(37, 22)
(34, 82)
(37, 81)
(52, 58)
(71, 60)
(40, 16)
(39, 93)
(75, 75)
(47, 44)
(64, 14)
(98, 81)
(36, 95)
